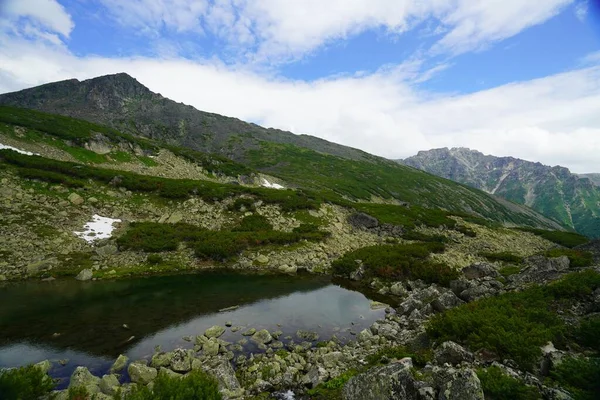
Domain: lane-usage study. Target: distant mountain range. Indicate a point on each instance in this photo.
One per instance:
(571, 199)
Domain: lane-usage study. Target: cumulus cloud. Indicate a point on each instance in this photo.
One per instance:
(553, 120)
(281, 30)
(44, 16)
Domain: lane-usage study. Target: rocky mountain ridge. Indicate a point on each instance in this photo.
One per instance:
(553, 191)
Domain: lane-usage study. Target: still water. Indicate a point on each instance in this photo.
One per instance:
(91, 323)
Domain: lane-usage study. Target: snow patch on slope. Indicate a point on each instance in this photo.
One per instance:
(267, 184)
(98, 228)
(6, 147)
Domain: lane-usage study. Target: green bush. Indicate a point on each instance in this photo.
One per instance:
(577, 258)
(574, 285)
(499, 386)
(242, 204)
(566, 239)
(503, 256)
(254, 223)
(24, 383)
(194, 386)
(588, 333)
(78, 393)
(580, 376)
(465, 230)
(332, 389)
(386, 354)
(510, 270)
(421, 237)
(401, 261)
(154, 259)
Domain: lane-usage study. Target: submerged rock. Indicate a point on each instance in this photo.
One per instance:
(307, 335)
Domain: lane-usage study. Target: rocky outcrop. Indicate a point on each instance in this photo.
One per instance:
(390, 382)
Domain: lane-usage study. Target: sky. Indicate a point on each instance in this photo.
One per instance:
(392, 77)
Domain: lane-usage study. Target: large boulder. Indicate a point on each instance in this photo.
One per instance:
(452, 353)
(181, 361)
(480, 270)
(362, 220)
(83, 378)
(211, 348)
(76, 199)
(119, 364)
(84, 275)
(161, 359)
(262, 337)
(389, 382)
(462, 384)
(214, 331)
(109, 384)
(446, 301)
(140, 373)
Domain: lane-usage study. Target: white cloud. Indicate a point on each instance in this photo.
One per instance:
(48, 14)
(280, 30)
(553, 120)
(581, 10)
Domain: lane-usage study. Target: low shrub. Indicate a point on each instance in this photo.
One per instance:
(24, 383)
(253, 223)
(242, 204)
(385, 355)
(196, 385)
(397, 262)
(154, 259)
(588, 333)
(504, 256)
(497, 385)
(566, 239)
(421, 237)
(580, 376)
(510, 270)
(574, 285)
(577, 258)
(465, 230)
(332, 389)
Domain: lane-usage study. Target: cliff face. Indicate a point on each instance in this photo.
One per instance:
(553, 191)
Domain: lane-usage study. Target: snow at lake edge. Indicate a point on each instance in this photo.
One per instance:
(98, 228)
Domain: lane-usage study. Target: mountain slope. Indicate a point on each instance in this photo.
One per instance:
(553, 191)
(336, 172)
(595, 178)
(121, 102)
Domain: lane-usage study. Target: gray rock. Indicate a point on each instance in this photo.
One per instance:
(262, 259)
(175, 218)
(108, 250)
(398, 289)
(446, 301)
(249, 332)
(44, 366)
(287, 269)
(480, 270)
(85, 275)
(211, 348)
(82, 377)
(140, 373)
(364, 335)
(181, 360)
(315, 376)
(463, 384)
(476, 292)
(119, 364)
(362, 220)
(263, 336)
(389, 382)
(109, 384)
(161, 359)
(452, 353)
(330, 360)
(76, 199)
(214, 331)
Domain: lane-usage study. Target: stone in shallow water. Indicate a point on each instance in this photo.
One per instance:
(307, 335)
(84, 275)
(119, 364)
(262, 337)
(214, 331)
(249, 332)
(82, 377)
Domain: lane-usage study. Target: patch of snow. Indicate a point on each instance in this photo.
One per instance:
(267, 184)
(27, 153)
(98, 228)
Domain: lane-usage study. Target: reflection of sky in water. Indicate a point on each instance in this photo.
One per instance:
(327, 310)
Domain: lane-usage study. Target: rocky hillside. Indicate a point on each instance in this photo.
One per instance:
(595, 178)
(555, 192)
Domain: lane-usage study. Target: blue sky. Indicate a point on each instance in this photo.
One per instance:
(392, 77)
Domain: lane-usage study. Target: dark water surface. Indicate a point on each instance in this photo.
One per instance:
(83, 321)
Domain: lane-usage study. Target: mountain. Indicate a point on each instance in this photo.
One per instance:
(595, 178)
(555, 192)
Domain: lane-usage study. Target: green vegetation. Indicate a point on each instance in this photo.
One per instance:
(409, 217)
(194, 386)
(578, 259)
(514, 325)
(385, 355)
(332, 389)
(77, 175)
(397, 262)
(254, 231)
(566, 239)
(421, 237)
(78, 393)
(504, 256)
(588, 333)
(580, 376)
(499, 386)
(24, 383)
(510, 270)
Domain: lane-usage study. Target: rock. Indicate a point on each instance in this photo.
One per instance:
(307, 335)
(225, 375)
(262, 259)
(480, 270)
(181, 360)
(263, 336)
(362, 220)
(476, 292)
(140, 373)
(389, 382)
(364, 335)
(2, 278)
(171, 374)
(315, 376)
(446, 301)
(161, 359)
(463, 384)
(85, 275)
(214, 331)
(75, 199)
(175, 218)
(119, 364)
(398, 289)
(38, 266)
(249, 332)
(376, 305)
(211, 348)
(108, 250)
(109, 384)
(288, 269)
(92, 200)
(452, 353)
(82, 377)
(330, 360)
(44, 366)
